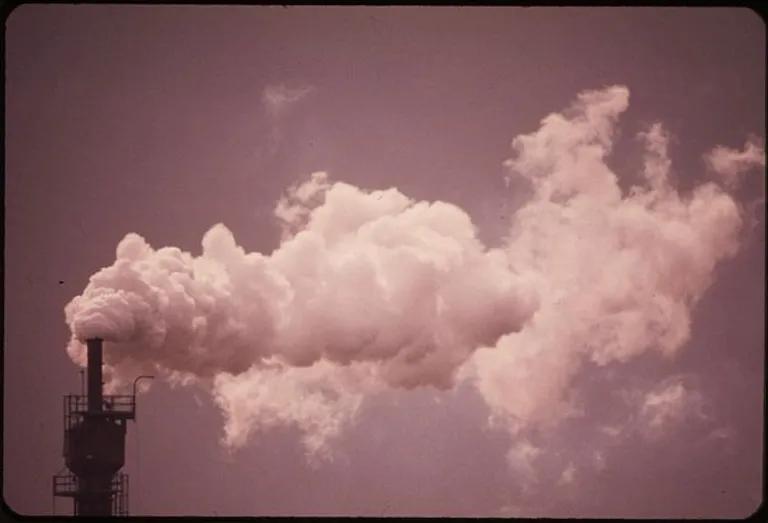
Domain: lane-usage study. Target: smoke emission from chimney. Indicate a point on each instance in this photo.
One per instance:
(370, 289)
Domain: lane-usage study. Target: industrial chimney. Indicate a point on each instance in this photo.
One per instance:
(94, 445)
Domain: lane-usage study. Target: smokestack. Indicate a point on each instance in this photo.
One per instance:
(94, 445)
(94, 374)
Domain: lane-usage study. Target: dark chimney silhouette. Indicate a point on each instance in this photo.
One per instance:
(94, 445)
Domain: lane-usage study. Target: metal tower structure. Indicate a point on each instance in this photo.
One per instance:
(94, 445)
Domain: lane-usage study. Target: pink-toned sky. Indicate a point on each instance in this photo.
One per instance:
(165, 121)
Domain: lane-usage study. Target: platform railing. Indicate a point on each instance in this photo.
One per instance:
(116, 406)
(66, 485)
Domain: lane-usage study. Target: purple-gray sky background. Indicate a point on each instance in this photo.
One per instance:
(151, 120)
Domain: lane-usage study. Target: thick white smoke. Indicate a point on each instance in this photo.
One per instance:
(617, 275)
(371, 276)
(370, 289)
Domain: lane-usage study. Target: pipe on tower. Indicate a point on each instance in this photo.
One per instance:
(94, 374)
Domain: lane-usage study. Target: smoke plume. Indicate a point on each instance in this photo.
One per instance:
(371, 289)
(617, 275)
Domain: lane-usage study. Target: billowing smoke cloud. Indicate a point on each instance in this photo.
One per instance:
(371, 289)
(361, 277)
(617, 274)
(371, 276)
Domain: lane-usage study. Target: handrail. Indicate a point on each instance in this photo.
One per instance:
(144, 376)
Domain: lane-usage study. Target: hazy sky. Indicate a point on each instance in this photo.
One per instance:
(164, 121)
